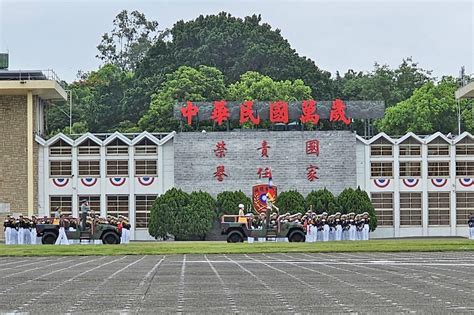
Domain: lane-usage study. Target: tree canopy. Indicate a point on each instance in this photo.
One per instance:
(431, 108)
(128, 42)
(213, 57)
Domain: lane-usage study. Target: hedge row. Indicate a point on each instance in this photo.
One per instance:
(190, 216)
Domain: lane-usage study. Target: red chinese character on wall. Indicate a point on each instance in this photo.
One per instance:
(264, 172)
(312, 147)
(264, 148)
(338, 112)
(279, 112)
(220, 173)
(308, 109)
(220, 149)
(246, 113)
(220, 112)
(189, 111)
(311, 173)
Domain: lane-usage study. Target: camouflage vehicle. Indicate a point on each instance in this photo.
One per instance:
(109, 234)
(237, 229)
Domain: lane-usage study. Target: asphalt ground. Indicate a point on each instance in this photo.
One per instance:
(258, 283)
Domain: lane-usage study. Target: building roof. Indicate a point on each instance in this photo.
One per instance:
(466, 91)
(43, 83)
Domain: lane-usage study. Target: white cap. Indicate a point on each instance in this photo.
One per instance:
(241, 206)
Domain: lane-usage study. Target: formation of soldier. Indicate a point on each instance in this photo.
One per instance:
(22, 230)
(320, 227)
(337, 227)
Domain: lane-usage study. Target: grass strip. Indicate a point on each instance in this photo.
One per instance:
(167, 248)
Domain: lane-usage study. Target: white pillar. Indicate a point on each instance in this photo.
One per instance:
(161, 170)
(103, 182)
(452, 191)
(74, 181)
(46, 181)
(131, 196)
(396, 191)
(424, 187)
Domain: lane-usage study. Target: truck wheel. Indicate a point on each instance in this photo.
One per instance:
(296, 236)
(49, 238)
(110, 238)
(235, 237)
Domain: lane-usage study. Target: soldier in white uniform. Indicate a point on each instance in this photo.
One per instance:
(338, 224)
(7, 228)
(21, 230)
(325, 227)
(471, 226)
(366, 228)
(352, 227)
(33, 230)
(62, 237)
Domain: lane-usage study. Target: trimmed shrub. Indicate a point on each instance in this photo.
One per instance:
(357, 201)
(322, 201)
(185, 216)
(290, 201)
(228, 202)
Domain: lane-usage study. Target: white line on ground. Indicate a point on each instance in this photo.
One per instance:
(31, 301)
(226, 289)
(324, 294)
(181, 287)
(419, 292)
(148, 278)
(101, 285)
(44, 275)
(355, 286)
(276, 294)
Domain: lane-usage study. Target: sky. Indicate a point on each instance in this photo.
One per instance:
(338, 35)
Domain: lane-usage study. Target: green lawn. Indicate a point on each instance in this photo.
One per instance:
(160, 248)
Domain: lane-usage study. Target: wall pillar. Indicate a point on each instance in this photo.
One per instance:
(30, 147)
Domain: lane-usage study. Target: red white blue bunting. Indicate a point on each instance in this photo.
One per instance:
(466, 182)
(439, 182)
(89, 181)
(411, 182)
(60, 182)
(117, 181)
(146, 181)
(381, 182)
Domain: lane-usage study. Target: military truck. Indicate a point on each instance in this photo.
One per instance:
(237, 228)
(109, 234)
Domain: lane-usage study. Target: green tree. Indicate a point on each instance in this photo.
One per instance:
(203, 208)
(228, 202)
(128, 42)
(166, 212)
(96, 102)
(431, 108)
(322, 201)
(256, 86)
(357, 201)
(185, 84)
(383, 83)
(290, 201)
(185, 216)
(230, 44)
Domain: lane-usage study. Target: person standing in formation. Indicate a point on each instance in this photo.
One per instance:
(33, 231)
(471, 226)
(62, 237)
(21, 230)
(7, 229)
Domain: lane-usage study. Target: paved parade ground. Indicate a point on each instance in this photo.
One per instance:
(289, 283)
